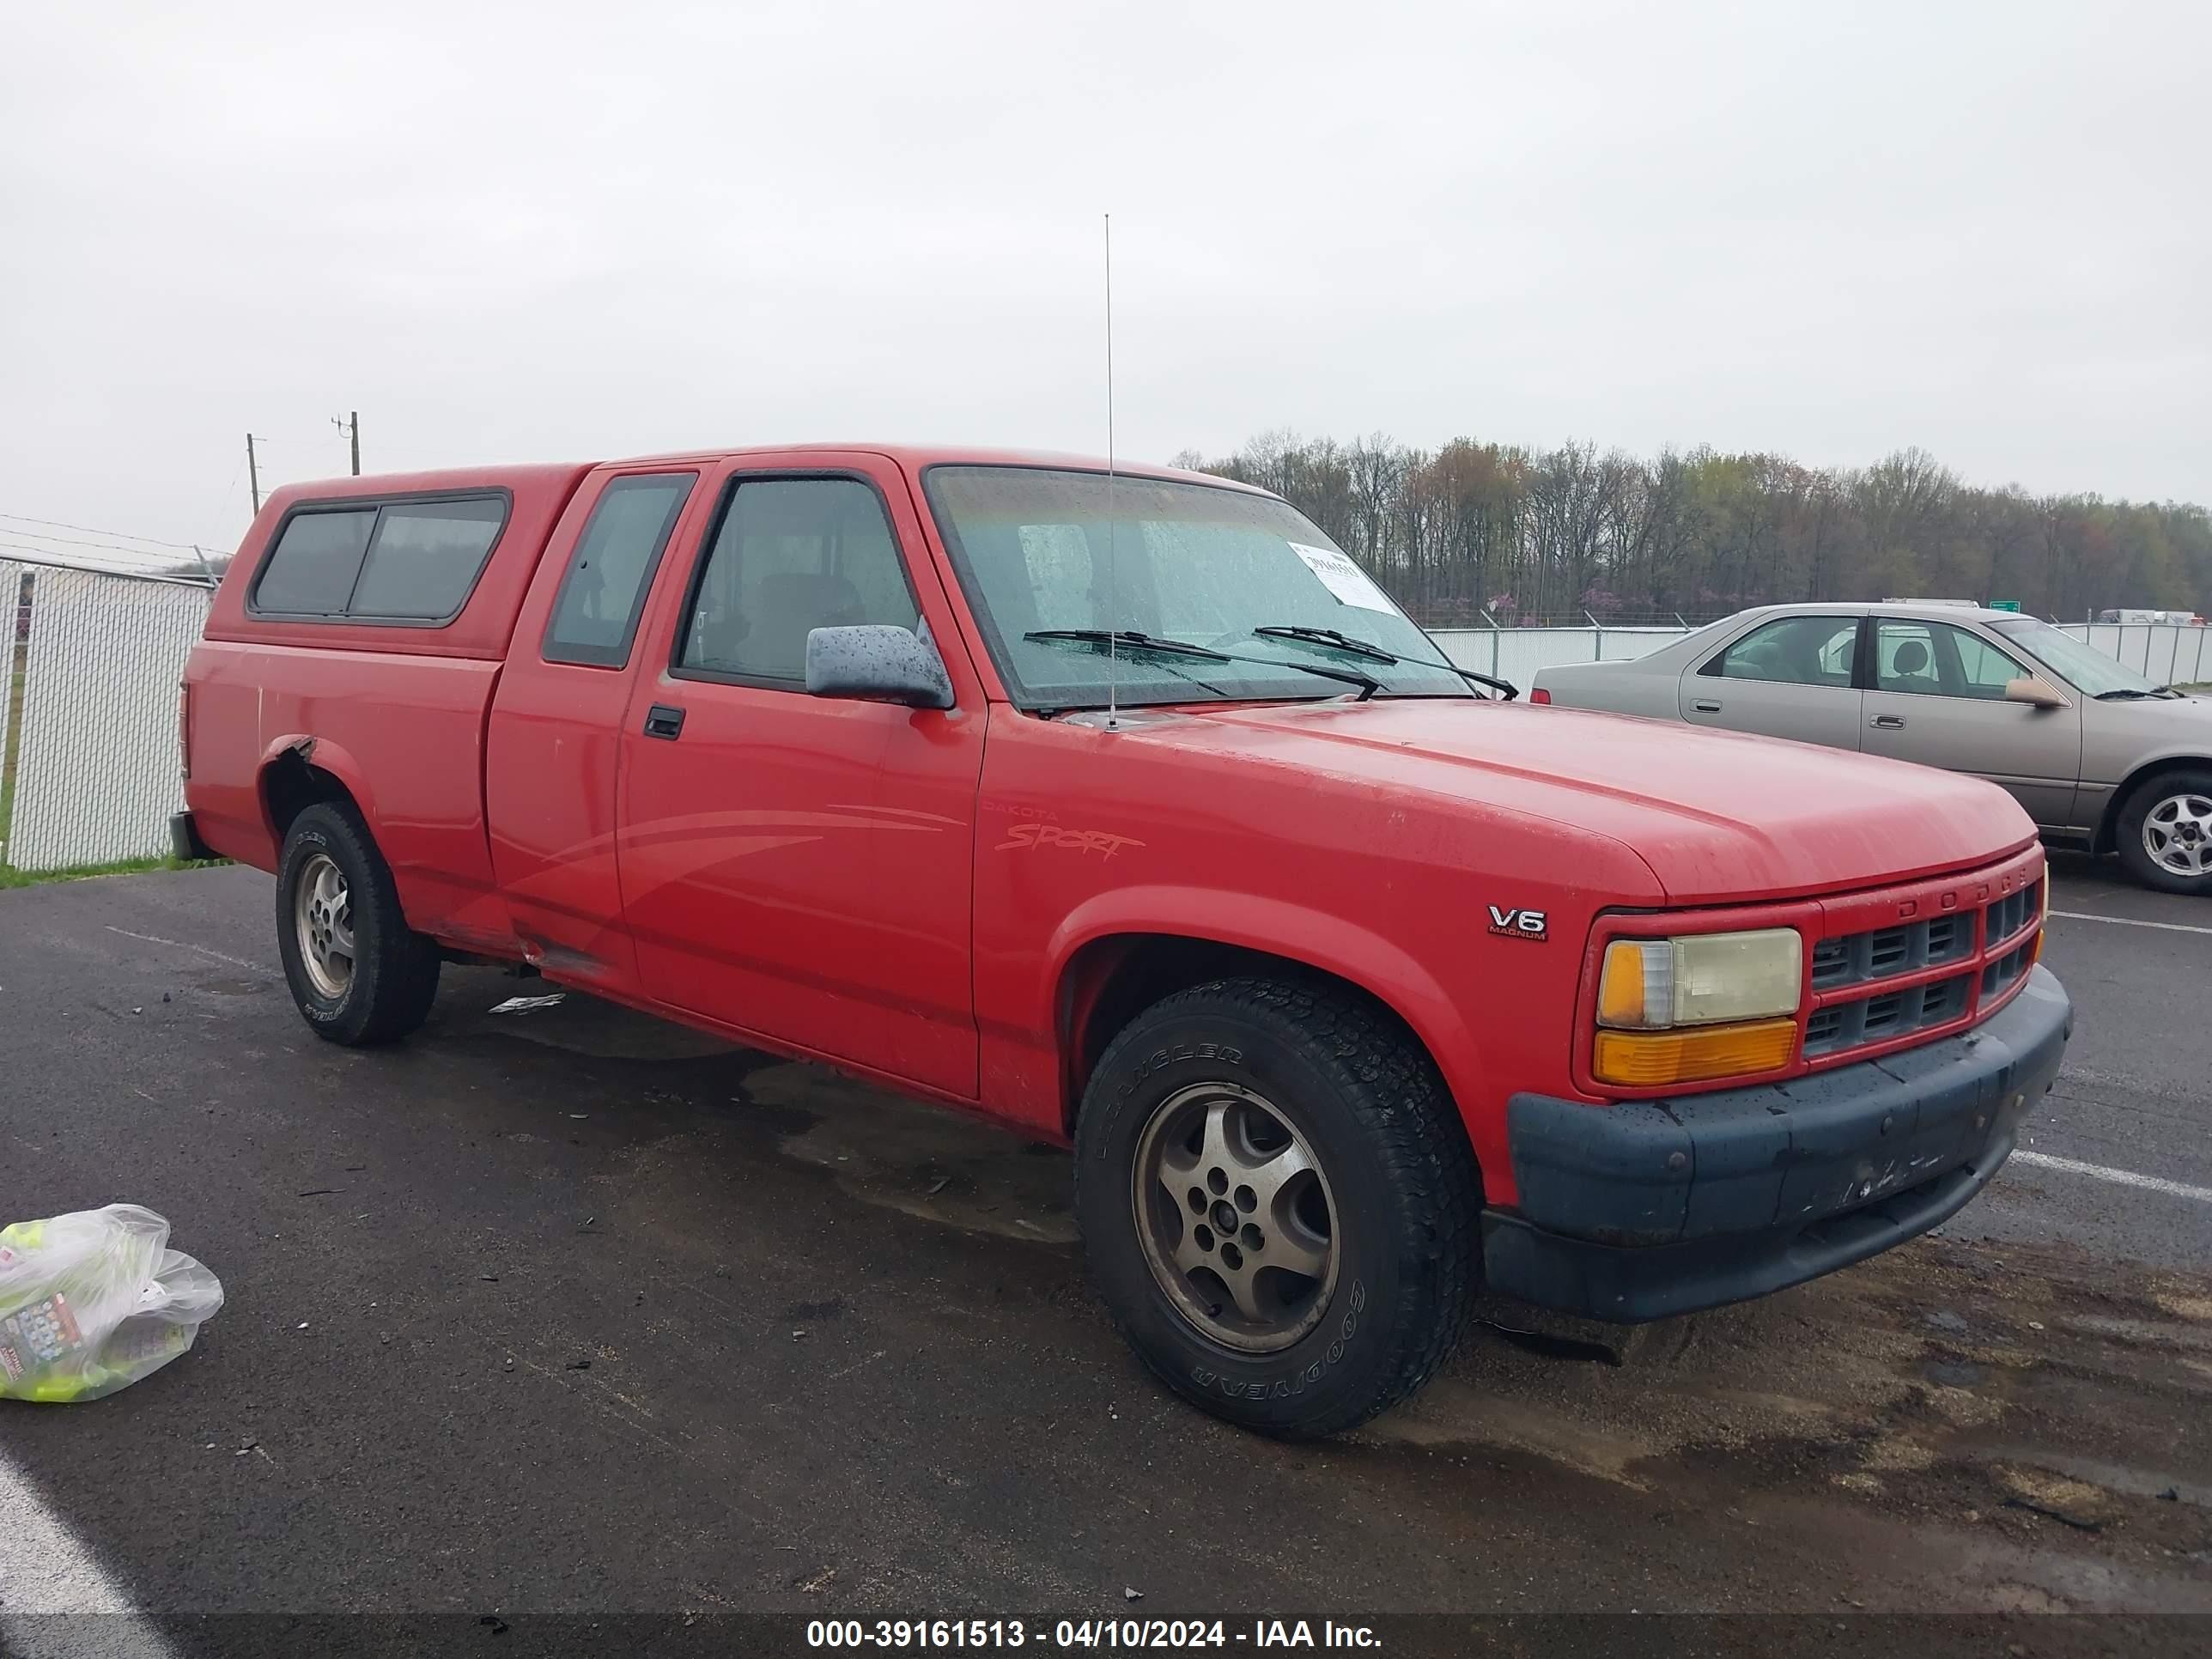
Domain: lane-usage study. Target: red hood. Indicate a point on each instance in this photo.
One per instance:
(1717, 816)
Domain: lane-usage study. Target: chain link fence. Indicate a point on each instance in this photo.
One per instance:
(89, 771)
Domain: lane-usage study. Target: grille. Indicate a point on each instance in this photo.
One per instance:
(2006, 968)
(1843, 1025)
(1986, 965)
(2011, 914)
(1854, 958)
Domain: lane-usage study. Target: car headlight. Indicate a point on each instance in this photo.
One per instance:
(1698, 1007)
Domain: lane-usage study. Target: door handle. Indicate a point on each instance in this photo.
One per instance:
(663, 720)
(1887, 722)
(1706, 706)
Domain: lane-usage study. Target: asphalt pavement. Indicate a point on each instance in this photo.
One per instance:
(569, 1312)
(2135, 1094)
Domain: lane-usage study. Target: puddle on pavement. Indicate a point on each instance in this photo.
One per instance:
(882, 1149)
(932, 1164)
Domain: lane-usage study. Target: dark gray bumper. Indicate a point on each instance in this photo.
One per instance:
(1642, 1210)
(184, 839)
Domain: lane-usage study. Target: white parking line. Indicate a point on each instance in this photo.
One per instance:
(2130, 921)
(46, 1570)
(2117, 1178)
(197, 949)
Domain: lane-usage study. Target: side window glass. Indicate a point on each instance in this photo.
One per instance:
(425, 557)
(792, 554)
(1905, 658)
(312, 571)
(1983, 670)
(595, 617)
(1794, 651)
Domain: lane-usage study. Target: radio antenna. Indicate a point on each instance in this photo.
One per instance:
(1113, 593)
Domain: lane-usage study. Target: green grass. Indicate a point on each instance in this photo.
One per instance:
(11, 877)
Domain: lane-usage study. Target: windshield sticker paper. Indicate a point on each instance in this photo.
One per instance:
(1350, 585)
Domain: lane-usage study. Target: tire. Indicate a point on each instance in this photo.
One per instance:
(2174, 810)
(392, 978)
(1397, 1188)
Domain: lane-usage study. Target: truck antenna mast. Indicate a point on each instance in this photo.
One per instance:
(1113, 593)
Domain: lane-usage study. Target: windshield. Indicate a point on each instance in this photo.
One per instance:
(2080, 665)
(1189, 563)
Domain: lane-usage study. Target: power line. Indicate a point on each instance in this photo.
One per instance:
(111, 547)
(90, 530)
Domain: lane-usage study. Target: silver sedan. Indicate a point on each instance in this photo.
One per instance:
(2099, 756)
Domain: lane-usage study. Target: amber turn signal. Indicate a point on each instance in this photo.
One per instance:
(1652, 1060)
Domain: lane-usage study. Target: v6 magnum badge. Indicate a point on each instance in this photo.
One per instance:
(1519, 924)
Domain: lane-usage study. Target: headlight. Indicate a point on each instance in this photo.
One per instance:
(1701, 979)
(1702, 1007)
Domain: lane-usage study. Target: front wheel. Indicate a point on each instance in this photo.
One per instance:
(2165, 833)
(1277, 1205)
(359, 974)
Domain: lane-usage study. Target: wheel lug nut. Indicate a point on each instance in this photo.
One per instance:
(1254, 1239)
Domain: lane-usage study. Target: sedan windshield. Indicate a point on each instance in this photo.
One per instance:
(1046, 561)
(2080, 665)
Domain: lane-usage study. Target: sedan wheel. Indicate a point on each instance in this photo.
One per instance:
(2177, 834)
(2164, 835)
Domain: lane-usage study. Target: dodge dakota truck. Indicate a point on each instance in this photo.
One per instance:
(1124, 809)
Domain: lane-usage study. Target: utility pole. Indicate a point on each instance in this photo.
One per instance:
(351, 427)
(253, 472)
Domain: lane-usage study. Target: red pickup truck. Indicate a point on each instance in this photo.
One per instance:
(1126, 810)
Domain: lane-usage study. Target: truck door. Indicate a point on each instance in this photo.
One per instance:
(551, 747)
(801, 866)
(1939, 699)
(1790, 676)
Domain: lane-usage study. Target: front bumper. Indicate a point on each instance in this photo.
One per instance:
(1645, 1210)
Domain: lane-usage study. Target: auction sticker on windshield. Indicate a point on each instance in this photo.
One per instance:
(1343, 578)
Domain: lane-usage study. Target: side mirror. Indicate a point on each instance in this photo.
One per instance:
(2042, 694)
(877, 663)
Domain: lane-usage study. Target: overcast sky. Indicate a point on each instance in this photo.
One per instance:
(538, 231)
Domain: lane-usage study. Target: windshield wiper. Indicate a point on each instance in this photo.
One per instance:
(2129, 693)
(1372, 653)
(1327, 636)
(1130, 639)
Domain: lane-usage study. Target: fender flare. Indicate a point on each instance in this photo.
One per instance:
(324, 756)
(1318, 938)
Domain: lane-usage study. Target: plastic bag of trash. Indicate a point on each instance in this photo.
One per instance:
(92, 1301)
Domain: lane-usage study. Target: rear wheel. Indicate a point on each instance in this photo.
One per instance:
(359, 974)
(1276, 1204)
(2165, 832)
